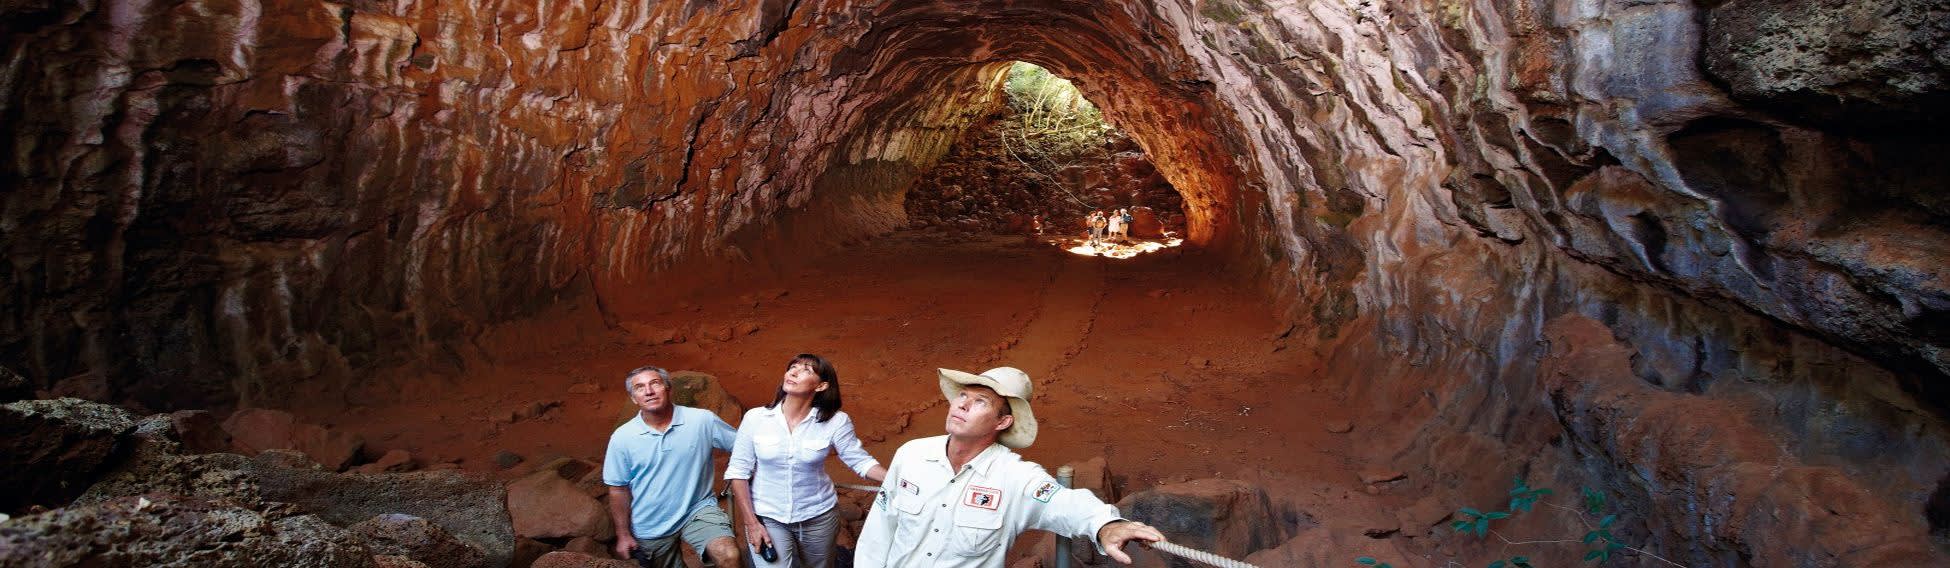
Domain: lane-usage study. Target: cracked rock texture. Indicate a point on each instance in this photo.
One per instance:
(232, 199)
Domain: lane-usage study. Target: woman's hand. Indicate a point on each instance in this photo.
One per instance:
(755, 535)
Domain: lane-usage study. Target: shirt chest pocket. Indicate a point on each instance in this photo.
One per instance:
(813, 449)
(768, 447)
(976, 533)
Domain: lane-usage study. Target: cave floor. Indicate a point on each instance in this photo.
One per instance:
(1160, 363)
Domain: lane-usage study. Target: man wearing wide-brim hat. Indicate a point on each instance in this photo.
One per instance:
(961, 499)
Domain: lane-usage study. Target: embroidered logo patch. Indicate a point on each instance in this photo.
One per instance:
(910, 487)
(983, 498)
(1044, 492)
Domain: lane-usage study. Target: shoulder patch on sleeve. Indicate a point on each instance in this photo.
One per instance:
(1044, 491)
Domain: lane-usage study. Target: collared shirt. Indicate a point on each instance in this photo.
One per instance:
(668, 472)
(930, 515)
(791, 484)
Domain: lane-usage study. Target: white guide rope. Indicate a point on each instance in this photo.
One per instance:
(1199, 556)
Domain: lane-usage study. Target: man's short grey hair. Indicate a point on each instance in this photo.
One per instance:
(662, 375)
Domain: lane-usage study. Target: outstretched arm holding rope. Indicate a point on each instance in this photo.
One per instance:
(1113, 536)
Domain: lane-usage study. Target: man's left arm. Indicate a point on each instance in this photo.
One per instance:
(1079, 514)
(723, 436)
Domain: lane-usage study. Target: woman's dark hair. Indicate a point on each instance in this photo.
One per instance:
(825, 403)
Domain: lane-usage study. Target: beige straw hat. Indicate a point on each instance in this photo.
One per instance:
(1013, 385)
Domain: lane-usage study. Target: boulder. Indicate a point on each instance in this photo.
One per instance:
(1226, 517)
(701, 390)
(472, 509)
(153, 466)
(394, 460)
(200, 432)
(418, 539)
(52, 450)
(164, 530)
(589, 546)
(569, 559)
(255, 430)
(545, 505)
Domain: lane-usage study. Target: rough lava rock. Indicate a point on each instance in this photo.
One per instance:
(1226, 517)
(417, 539)
(170, 531)
(470, 508)
(53, 449)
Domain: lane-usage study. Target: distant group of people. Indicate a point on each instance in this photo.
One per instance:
(953, 500)
(1114, 225)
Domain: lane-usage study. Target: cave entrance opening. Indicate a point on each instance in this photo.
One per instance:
(1042, 164)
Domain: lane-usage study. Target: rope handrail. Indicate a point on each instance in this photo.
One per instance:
(1192, 554)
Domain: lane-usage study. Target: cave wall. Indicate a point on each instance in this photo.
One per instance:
(208, 200)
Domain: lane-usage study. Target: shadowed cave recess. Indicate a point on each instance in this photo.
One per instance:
(1689, 254)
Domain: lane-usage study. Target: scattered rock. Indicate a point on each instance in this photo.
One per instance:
(536, 409)
(163, 530)
(254, 430)
(1378, 476)
(702, 390)
(394, 460)
(544, 505)
(528, 550)
(584, 388)
(569, 559)
(418, 539)
(472, 509)
(724, 333)
(1158, 293)
(1426, 512)
(1340, 426)
(1380, 532)
(589, 546)
(653, 334)
(200, 432)
(747, 328)
(333, 449)
(1225, 517)
(52, 450)
(505, 459)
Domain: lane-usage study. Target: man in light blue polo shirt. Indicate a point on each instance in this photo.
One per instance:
(658, 469)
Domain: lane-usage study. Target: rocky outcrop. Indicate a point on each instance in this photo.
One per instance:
(986, 183)
(544, 505)
(702, 390)
(167, 531)
(417, 539)
(1225, 517)
(53, 447)
(470, 508)
(255, 430)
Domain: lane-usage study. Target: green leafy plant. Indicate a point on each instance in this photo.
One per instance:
(1599, 540)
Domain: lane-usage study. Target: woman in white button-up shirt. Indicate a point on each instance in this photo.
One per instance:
(778, 467)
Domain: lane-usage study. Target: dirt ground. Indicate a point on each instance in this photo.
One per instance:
(1159, 363)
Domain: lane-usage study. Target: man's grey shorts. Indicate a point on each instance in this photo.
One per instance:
(707, 523)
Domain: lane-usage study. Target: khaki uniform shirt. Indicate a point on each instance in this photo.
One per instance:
(930, 515)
